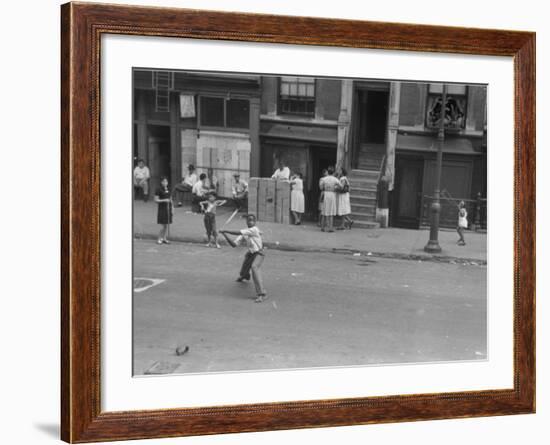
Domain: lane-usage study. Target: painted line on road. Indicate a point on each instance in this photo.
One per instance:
(142, 284)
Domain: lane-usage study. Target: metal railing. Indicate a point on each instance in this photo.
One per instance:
(476, 208)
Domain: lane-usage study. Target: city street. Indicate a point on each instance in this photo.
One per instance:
(324, 309)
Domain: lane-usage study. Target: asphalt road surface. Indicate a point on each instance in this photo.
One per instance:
(324, 309)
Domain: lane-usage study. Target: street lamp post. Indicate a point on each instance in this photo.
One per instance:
(433, 244)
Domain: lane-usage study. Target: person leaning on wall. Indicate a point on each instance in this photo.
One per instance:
(186, 185)
(141, 179)
(240, 192)
(282, 173)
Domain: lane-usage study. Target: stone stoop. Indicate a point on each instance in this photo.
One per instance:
(363, 197)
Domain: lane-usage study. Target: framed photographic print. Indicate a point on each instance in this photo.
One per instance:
(285, 222)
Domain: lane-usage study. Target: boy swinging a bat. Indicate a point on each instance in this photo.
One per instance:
(254, 257)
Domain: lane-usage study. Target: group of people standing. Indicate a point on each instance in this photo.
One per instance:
(334, 199)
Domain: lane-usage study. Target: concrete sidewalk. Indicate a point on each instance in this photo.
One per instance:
(390, 242)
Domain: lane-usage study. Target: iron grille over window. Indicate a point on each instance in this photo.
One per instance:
(297, 95)
(455, 106)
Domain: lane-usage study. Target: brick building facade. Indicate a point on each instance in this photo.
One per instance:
(375, 129)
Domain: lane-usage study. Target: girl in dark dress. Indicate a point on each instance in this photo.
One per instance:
(164, 214)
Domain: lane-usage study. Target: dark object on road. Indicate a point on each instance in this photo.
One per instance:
(180, 350)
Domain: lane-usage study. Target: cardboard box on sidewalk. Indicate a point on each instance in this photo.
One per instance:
(269, 200)
(253, 196)
(282, 209)
(262, 194)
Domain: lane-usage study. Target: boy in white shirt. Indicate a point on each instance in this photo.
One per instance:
(254, 257)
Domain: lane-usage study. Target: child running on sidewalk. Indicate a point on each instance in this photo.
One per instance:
(209, 207)
(462, 223)
(254, 257)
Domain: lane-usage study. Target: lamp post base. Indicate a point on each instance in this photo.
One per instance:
(432, 247)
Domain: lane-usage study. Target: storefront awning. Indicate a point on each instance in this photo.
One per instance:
(299, 132)
(429, 143)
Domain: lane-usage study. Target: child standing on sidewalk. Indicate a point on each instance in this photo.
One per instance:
(462, 223)
(209, 207)
(163, 198)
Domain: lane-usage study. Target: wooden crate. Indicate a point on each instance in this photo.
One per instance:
(262, 194)
(282, 201)
(286, 208)
(253, 196)
(270, 199)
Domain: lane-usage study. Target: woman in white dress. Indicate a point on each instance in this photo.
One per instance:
(324, 174)
(297, 198)
(344, 207)
(329, 186)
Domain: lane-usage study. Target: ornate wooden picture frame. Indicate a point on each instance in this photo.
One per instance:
(82, 26)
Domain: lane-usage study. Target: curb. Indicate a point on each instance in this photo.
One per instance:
(355, 252)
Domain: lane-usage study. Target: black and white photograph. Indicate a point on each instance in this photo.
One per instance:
(278, 222)
(289, 222)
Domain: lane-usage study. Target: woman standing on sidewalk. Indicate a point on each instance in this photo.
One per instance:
(297, 198)
(344, 207)
(329, 186)
(163, 198)
(324, 174)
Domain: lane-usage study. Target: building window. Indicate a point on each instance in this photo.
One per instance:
(455, 107)
(224, 113)
(238, 113)
(297, 95)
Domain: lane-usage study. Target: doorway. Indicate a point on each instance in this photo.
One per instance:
(159, 159)
(372, 123)
(407, 194)
(322, 157)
